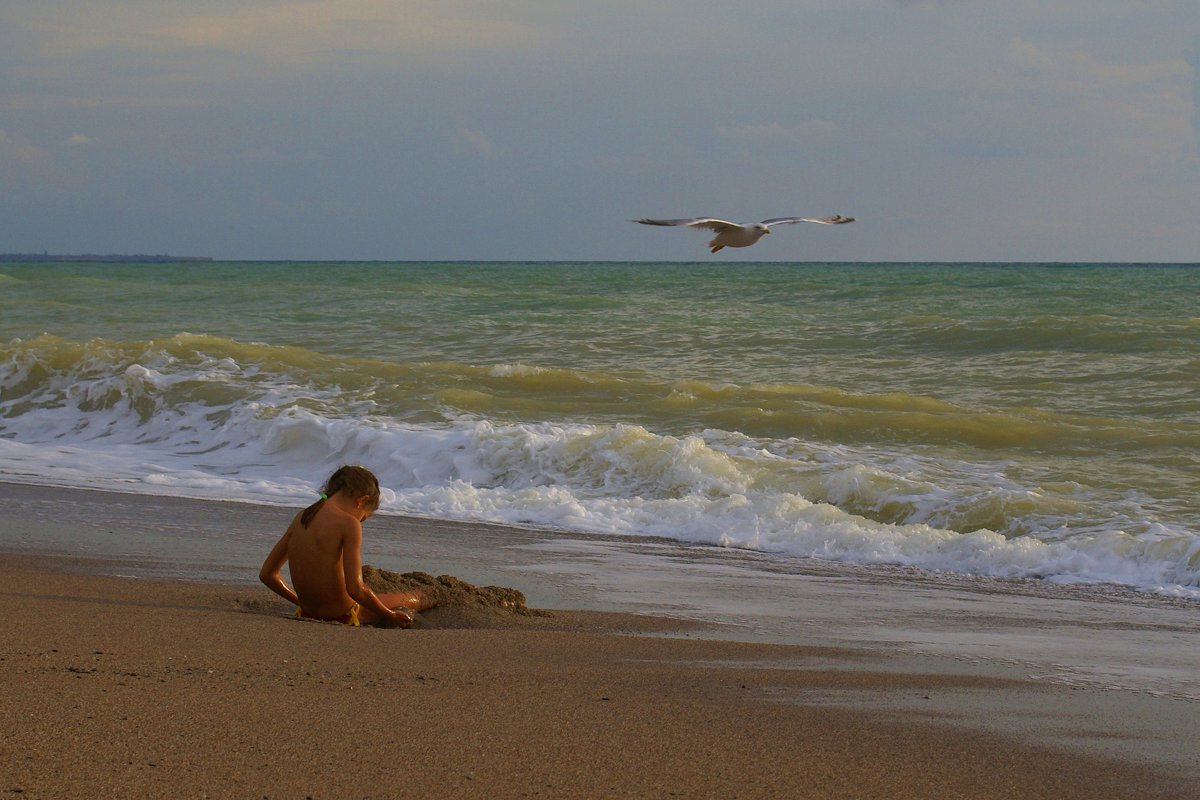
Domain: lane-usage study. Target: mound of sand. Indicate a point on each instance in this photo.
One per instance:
(458, 603)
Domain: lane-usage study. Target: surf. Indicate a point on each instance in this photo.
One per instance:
(203, 416)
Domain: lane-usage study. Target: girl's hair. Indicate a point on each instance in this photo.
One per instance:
(357, 481)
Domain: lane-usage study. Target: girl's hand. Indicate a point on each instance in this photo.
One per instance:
(401, 618)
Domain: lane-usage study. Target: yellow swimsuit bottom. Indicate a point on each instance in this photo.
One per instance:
(349, 618)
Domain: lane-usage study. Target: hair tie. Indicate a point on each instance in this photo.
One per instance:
(324, 496)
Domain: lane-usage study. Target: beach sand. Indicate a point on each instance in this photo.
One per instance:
(137, 687)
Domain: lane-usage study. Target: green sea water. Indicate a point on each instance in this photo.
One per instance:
(919, 407)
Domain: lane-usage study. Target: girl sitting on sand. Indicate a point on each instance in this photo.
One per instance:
(323, 547)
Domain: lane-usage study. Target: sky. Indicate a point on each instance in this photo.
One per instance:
(953, 130)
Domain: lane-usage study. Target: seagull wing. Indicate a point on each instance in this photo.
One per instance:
(836, 219)
(712, 223)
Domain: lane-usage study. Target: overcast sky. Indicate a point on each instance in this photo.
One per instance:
(995, 130)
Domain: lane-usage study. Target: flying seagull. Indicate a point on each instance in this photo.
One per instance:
(731, 234)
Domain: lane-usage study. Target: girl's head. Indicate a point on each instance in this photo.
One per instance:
(355, 482)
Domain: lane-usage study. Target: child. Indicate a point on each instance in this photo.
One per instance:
(323, 547)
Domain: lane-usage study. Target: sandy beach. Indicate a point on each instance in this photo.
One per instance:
(151, 687)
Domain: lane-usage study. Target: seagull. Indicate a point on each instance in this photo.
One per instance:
(731, 234)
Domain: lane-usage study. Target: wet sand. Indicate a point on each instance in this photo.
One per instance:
(164, 688)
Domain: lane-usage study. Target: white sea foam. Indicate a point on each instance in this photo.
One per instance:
(620, 480)
(215, 429)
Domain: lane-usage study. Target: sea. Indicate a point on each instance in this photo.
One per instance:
(1035, 422)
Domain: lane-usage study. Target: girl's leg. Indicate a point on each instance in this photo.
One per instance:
(413, 600)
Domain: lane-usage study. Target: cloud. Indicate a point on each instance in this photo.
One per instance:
(1132, 122)
(930, 3)
(78, 140)
(1068, 67)
(477, 141)
(26, 155)
(47, 102)
(288, 35)
(775, 132)
(22, 159)
(381, 25)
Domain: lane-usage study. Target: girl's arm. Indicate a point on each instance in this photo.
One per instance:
(352, 572)
(271, 568)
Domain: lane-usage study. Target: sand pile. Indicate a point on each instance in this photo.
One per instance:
(458, 603)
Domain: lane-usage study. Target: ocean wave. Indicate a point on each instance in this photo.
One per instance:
(209, 417)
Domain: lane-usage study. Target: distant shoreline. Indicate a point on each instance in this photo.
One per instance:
(114, 258)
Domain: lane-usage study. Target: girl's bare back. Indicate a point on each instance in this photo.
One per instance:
(323, 545)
